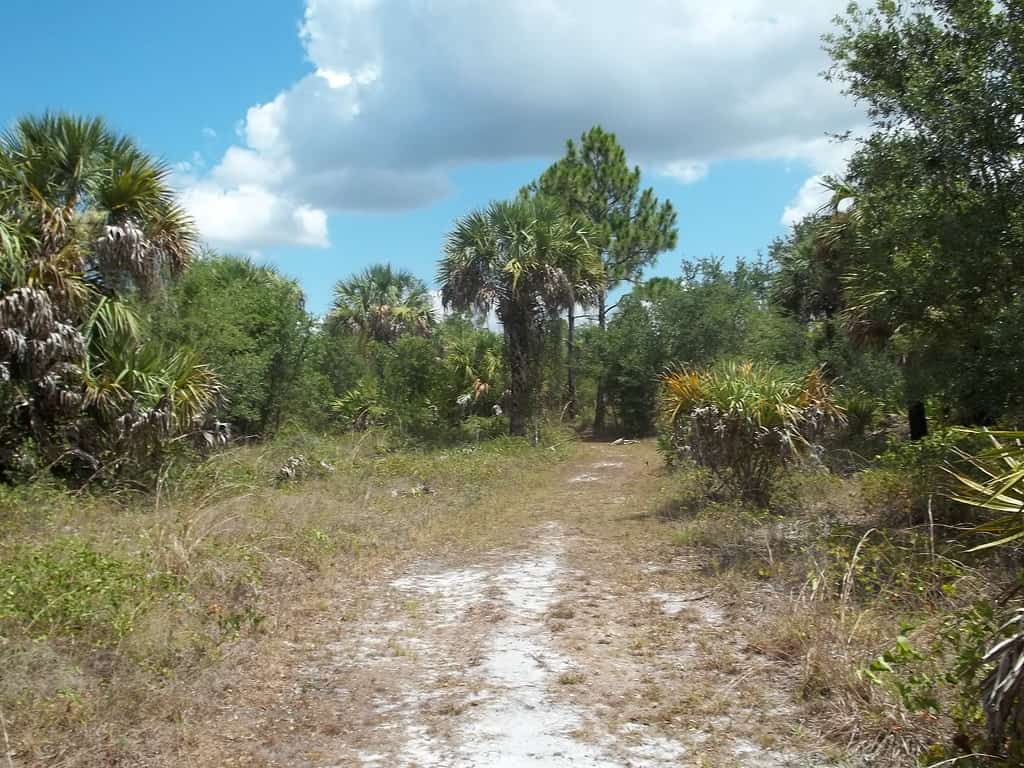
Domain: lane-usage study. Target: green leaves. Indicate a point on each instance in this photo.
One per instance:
(932, 251)
(67, 587)
(594, 183)
(250, 322)
(382, 303)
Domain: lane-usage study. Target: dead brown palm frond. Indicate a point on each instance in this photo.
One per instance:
(1003, 688)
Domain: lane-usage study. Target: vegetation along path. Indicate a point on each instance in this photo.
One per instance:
(580, 639)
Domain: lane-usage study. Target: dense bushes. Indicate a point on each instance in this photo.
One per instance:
(89, 228)
(251, 324)
(745, 422)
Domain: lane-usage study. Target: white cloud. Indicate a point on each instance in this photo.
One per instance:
(829, 158)
(810, 198)
(401, 92)
(209, 133)
(249, 216)
(688, 172)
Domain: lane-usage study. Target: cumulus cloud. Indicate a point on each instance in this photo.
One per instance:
(401, 92)
(829, 159)
(811, 197)
(686, 171)
(250, 216)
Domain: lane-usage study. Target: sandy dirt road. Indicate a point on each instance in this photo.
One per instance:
(588, 642)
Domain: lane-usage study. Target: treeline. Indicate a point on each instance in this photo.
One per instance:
(119, 340)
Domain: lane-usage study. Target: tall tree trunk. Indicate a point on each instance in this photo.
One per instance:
(827, 368)
(599, 404)
(918, 420)
(517, 347)
(570, 384)
(916, 389)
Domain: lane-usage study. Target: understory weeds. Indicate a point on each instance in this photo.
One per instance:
(870, 593)
(115, 609)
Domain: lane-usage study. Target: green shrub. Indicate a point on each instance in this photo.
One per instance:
(908, 478)
(861, 411)
(940, 671)
(362, 407)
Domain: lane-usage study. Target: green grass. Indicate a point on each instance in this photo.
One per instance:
(68, 588)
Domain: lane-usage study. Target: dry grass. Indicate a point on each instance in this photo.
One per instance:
(827, 579)
(226, 554)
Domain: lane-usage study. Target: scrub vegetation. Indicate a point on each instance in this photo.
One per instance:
(190, 459)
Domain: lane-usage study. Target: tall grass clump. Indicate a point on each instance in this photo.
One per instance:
(745, 422)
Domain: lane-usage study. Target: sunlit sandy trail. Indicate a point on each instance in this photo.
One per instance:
(517, 721)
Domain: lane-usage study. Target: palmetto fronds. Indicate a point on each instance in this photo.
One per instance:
(92, 199)
(476, 361)
(523, 253)
(361, 407)
(994, 480)
(382, 303)
(138, 393)
(841, 213)
(744, 421)
(85, 215)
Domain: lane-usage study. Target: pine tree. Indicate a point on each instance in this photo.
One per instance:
(630, 228)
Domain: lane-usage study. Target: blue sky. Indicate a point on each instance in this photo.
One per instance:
(325, 135)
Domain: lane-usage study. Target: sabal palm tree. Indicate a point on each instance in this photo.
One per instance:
(381, 304)
(93, 202)
(525, 260)
(85, 216)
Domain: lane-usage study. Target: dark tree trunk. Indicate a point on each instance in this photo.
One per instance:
(827, 368)
(570, 384)
(599, 404)
(918, 420)
(517, 348)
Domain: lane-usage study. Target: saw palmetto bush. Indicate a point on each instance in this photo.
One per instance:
(744, 422)
(138, 395)
(87, 220)
(993, 480)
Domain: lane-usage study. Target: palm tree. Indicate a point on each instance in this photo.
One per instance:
(526, 260)
(92, 202)
(382, 303)
(85, 218)
(137, 394)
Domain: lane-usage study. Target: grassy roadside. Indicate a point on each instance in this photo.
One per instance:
(864, 587)
(116, 610)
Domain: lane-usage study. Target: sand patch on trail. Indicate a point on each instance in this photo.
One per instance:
(506, 708)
